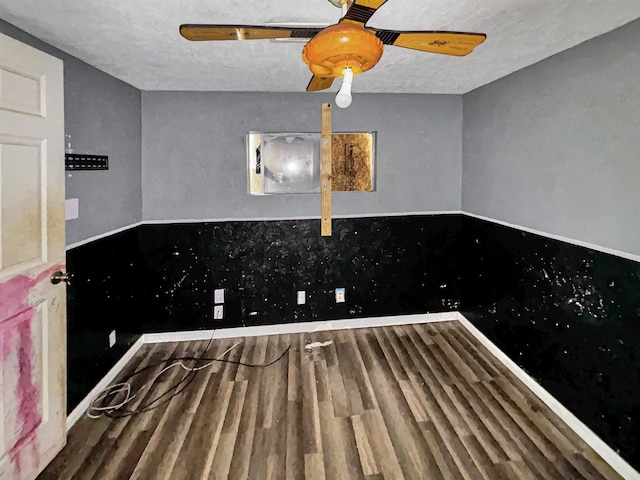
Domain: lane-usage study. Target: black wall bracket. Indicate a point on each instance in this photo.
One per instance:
(75, 161)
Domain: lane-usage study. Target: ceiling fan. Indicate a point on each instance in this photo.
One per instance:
(345, 49)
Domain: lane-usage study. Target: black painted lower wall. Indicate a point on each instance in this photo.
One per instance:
(388, 266)
(103, 296)
(568, 315)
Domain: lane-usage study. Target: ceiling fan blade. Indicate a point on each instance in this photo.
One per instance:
(197, 33)
(361, 11)
(445, 43)
(319, 83)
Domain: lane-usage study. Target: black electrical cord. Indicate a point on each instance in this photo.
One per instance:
(145, 407)
(188, 378)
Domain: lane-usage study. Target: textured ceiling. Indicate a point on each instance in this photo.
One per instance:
(138, 41)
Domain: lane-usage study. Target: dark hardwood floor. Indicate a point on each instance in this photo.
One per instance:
(414, 402)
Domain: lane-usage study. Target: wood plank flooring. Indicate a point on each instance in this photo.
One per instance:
(405, 402)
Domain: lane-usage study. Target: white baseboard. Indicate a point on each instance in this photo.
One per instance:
(298, 327)
(80, 410)
(596, 443)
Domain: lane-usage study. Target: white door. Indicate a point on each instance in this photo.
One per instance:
(32, 309)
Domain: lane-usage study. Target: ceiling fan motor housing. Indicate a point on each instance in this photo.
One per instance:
(342, 46)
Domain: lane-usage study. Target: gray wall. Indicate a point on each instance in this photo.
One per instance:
(194, 157)
(102, 115)
(556, 146)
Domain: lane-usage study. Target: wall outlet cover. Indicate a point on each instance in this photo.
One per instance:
(112, 338)
(218, 312)
(341, 295)
(218, 295)
(71, 208)
(302, 298)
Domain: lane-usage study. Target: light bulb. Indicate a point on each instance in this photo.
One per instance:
(343, 98)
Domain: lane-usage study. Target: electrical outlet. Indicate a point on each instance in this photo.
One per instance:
(112, 338)
(340, 295)
(302, 299)
(218, 295)
(218, 312)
